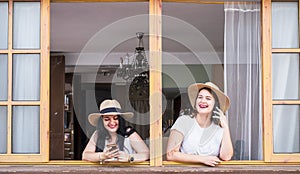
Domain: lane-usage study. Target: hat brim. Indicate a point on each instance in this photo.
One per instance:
(194, 89)
(93, 118)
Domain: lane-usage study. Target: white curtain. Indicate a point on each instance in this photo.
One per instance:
(285, 77)
(26, 30)
(26, 86)
(3, 77)
(242, 80)
(4, 25)
(3, 97)
(26, 78)
(26, 129)
(3, 129)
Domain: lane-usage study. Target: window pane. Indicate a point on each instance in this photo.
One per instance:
(242, 70)
(286, 128)
(3, 77)
(26, 129)
(4, 25)
(26, 25)
(285, 76)
(3, 129)
(26, 77)
(285, 25)
(232, 62)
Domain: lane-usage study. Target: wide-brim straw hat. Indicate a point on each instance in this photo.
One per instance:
(108, 107)
(193, 91)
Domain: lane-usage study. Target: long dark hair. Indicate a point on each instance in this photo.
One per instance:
(104, 135)
(217, 104)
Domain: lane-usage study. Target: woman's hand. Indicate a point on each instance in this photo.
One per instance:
(211, 160)
(111, 154)
(223, 119)
(123, 157)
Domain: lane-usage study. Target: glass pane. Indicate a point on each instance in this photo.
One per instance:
(4, 25)
(3, 129)
(26, 25)
(285, 76)
(26, 129)
(3, 77)
(26, 77)
(228, 56)
(286, 128)
(285, 25)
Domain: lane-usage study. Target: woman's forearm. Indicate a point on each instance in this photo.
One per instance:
(139, 157)
(93, 156)
(226, 151)
(182, 157)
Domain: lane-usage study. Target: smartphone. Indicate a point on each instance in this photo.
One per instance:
(112, 147)
(215, 118)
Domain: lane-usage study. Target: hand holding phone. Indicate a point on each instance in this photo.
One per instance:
(111, 152)
(112, 147)
(216, 117)
(220, 118)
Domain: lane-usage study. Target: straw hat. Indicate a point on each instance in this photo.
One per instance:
(194, 89)
(108, 107)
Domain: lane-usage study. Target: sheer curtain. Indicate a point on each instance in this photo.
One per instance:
(242, 56)
(26, 78)
(26, 30)
(4, 25)
(3, 129)
(285, 77)
(3, 75)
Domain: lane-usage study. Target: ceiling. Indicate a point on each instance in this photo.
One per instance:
(74, 25)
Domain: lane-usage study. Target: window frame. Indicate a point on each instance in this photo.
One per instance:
(155, 49)
(268, 101)
(43, 102)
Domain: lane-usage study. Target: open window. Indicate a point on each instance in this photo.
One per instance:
(284, 127)
(24, 79)
(264, 120)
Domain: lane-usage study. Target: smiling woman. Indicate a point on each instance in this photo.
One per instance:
(112, 141)
(199, 137)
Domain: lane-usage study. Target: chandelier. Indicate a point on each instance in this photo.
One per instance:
(134, 66)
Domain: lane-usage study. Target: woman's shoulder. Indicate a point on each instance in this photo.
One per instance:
(128, 131)
(185, 118)
(94, 136)
(183, 124)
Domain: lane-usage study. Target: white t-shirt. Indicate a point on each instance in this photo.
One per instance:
(198, 140)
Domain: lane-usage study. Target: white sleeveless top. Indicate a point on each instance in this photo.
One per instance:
(198, 140)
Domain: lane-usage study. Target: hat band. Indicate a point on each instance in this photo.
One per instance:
(107, 110)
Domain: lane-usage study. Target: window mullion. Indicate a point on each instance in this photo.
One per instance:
(155, 60)
(267, 80)
(9, 73)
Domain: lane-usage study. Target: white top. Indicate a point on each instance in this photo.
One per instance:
(198, 140)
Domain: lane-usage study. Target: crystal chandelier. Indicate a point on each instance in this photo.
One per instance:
(134, 66)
